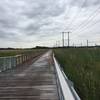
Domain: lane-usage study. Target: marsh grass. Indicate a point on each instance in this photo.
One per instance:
(82, 66)
(5, 53)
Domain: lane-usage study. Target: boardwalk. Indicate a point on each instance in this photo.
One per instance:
(30, 82)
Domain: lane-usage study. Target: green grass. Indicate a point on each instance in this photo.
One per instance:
(4, 53)
(82, 66)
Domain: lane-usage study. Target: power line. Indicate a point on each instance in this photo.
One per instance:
(87, 25)
(91, 17)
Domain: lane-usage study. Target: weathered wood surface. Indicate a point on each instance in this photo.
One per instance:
(30, 82)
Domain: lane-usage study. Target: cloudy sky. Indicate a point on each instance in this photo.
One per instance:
(27, 23)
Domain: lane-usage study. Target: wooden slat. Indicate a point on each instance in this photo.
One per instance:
(30, 82)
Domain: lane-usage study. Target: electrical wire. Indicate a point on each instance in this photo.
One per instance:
(89, 19)
(86, 25)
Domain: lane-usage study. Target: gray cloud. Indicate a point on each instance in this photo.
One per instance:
(84, 3)
(23, 20)
(40, 9)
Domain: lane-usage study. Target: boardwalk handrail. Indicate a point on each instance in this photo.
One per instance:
(66, 89)
(10, 62)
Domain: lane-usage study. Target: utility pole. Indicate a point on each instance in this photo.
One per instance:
(63, 39)
(68, 39)
(87, 43)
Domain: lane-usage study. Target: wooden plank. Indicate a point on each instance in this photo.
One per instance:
(30, 82)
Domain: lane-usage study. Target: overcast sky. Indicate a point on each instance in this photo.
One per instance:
(27, 23)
